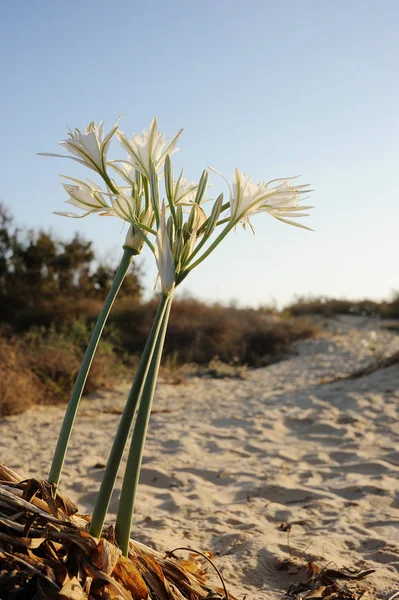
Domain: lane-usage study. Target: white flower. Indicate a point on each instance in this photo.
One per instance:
(184, 191)
(125, 169)
(89, 148)
(164, 256)
(277, 197)
(148, 147)
(245, 196)
(283, 200)
(126, 207)
(87, 196)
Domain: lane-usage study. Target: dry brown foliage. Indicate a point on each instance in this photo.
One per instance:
(328, 307)
(19, 386)
(42, 370)
(46, 552)
(199, 332)
(328, 583)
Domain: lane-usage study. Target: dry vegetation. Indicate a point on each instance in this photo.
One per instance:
(199, 333)
(51, 292)
(329, 307)
(40, 367)
(46, 552)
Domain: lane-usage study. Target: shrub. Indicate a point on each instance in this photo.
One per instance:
(200, 332)
(19, 387)
(42, 365)
(328, 307)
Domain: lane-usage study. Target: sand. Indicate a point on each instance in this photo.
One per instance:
(267, 472)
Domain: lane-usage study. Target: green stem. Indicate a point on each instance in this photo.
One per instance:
(130, 481)
(138, 229)
(70, 414)
(207, 252)
(108, 182)
(111, 470)
(224, 207)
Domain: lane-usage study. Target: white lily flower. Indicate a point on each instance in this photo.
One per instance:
(185, 191)
(284, 202)
(148, 147)
(164, 256)
(89, 148)
(281, 200)
(87, 196)
(126, 207)
(125, 169)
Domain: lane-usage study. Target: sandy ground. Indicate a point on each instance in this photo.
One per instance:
(230, 463)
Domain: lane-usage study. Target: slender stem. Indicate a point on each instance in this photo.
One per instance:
(146, 192)
(108, 182)
(223, 221)
(154, 189)
(173, 212)
(129, 487)
(115, 457)
(148, 229)
(208, 251)
(70, 414)
(225, 206)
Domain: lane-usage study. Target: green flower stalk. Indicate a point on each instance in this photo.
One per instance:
(173, 247)
(141, 394)
(111, 470)
(90, 149)
(133, 466)
(73, 405)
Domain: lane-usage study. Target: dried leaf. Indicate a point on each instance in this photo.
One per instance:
(15, 540)
(9, 475)
(105, 556)
(74, 565)
(56, 501)
(130, 577)
(81, 538)
(72, 590)
(346, 574)
(112, 586)
(313, 570)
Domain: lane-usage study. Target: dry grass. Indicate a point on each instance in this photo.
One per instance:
(199, 333)
(19, 386)
(328, 307)
(41, 367)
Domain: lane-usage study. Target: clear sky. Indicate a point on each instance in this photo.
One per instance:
(276, 89)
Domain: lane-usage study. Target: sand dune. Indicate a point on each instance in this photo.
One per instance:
(266, 472)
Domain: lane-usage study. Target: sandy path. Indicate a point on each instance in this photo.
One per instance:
(229, 461)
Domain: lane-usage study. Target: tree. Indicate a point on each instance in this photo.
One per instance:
(46, 279)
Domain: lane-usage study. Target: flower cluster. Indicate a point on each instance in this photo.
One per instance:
(176, 228)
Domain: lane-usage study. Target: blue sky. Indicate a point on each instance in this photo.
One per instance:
(273, 88)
